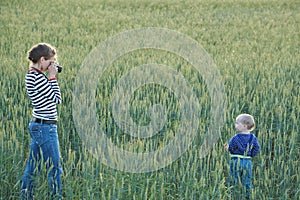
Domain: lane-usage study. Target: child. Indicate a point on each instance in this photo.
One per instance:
(242, 147)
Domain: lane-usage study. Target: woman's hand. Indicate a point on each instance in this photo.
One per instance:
(52, 69)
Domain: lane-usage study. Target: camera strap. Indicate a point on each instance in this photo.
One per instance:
(33, 69)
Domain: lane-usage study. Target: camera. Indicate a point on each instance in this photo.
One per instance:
(59, 68)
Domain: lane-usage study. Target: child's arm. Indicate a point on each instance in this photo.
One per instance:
(256, 148)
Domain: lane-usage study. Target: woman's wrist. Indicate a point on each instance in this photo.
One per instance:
(52, 77)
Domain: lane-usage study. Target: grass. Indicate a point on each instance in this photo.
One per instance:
(255, 45)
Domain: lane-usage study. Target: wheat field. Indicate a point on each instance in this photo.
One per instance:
(254, 45)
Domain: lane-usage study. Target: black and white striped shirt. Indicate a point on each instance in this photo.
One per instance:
(44, 95)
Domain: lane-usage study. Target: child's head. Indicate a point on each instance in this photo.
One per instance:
(246, 120)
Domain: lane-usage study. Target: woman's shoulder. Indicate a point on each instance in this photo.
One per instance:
(32, 74)
(35, 78)
(35, 74)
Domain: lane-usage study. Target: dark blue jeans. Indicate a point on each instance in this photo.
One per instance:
(44, 149)
(241, 172)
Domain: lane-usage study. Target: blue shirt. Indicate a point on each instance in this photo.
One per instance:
(240, 144)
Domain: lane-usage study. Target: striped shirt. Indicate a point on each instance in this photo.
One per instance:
(240, 144)
(44, 95)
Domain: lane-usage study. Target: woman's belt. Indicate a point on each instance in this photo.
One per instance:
(43, 121)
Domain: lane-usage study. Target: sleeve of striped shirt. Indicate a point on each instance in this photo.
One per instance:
(48, 88)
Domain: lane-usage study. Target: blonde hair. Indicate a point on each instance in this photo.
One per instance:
(247, 120)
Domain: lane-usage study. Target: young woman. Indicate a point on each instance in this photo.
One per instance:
(44, 94)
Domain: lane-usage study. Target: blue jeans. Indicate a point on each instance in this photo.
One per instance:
(241, 172)
(44, 149)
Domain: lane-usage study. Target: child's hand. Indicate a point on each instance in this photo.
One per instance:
(226, 146)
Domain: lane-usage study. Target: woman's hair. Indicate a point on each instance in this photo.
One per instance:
(41, 50)
(247, 120)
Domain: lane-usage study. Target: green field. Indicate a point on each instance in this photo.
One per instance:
(255, 46)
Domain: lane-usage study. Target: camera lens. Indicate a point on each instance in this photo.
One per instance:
(59, 69)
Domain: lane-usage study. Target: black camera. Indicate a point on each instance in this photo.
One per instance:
(59, 69)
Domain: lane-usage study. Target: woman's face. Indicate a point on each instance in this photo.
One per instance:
(45, 63)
